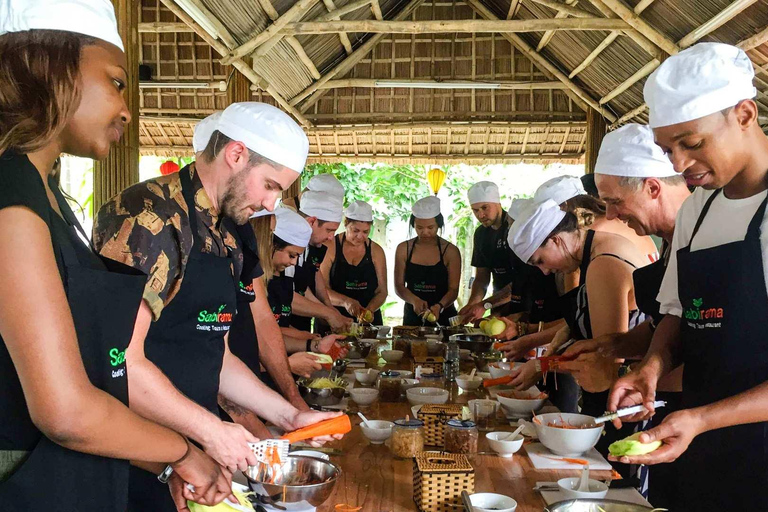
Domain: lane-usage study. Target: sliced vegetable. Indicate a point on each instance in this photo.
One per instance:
(325, 383)
(322, 358)
(244, 506)
(630, 446)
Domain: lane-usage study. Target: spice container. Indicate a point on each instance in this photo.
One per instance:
(431, 380)
(435, 417)
(419, 348)
(389, 386)
(460, 437)
(439, 478)
(407, 438)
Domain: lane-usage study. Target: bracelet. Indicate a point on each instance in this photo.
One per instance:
(309, 345)
(186, 454)
(441, 306)
(522, 328)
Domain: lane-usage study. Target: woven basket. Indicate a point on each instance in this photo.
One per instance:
(439, 478)
(436, 363)
(434, 417)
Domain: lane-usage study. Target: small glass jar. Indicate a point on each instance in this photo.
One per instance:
(431, 380)
(407, 438)
(389, 386)
(419, 348)
(460, 437)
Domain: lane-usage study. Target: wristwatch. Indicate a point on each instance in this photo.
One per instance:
(165, 475)
(487, 305)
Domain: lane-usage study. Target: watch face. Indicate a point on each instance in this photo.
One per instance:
(487, 305)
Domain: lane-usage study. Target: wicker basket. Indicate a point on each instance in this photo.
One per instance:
(435, 363)
(439, 478)
(434, 417)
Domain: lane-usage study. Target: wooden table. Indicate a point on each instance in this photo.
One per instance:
(374, 480)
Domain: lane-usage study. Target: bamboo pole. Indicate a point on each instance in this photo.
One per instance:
(632, 80)
(715, 22)
(754, 41)
(433, 158)
(223, 31)
(344, 38)
(597, 51)
(440, 84)
(565, 8)
(299, 9)
(451, 26)
(162, 27)
(629, 115)
(376, 10)
(639, 24)
(549, 34)
(341, 11)
(596, 130)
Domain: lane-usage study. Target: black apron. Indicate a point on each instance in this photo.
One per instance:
(429, 283)
(594, 404)
(647, 281)
(280, 297)
(358, 282)
(104, 304)
(304, 277)
(187, 343)
(516, 276)
(722, 292)
(501, 266)
(540, 296)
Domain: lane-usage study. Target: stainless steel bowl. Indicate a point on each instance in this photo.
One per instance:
(314, 396)
(475, 343)
(295, 497)
(359, 350)
(417, 331)
(595, 506)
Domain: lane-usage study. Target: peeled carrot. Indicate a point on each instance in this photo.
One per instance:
(338, 425)
(497, 382)
(581, 462)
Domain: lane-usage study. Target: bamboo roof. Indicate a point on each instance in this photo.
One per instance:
(408, 81)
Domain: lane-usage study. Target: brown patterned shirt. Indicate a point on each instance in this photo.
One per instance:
(146, 226)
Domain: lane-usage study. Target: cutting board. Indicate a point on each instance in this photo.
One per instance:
(539, 454)
(627, 495)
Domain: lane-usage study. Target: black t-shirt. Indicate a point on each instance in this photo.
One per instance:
(22, 185)
(491, 251)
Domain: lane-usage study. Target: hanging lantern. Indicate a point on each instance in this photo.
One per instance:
(435, 178)
(169, 167)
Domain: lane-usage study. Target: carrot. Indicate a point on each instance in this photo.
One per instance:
(487, 383)
(580, 462)
(338, 425)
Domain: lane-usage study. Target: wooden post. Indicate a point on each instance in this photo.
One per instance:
(596, 130)
(121, 168)
(239, 89)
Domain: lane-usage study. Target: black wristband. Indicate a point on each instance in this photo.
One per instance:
(309, 345)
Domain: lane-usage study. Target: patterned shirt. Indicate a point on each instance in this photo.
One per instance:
(146, 226)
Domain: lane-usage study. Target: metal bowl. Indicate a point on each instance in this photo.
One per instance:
(295, 497)
(359, 350)
(321, 397)
(407, 331)
(595, 505)
(475, 343)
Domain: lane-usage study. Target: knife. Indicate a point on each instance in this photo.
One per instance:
(627, 411)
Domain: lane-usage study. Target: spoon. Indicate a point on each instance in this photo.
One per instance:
(513, 435)
(472, 373)
(365, 420)
(467, 501)
(584, 482)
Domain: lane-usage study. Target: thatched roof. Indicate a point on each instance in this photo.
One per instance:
(338, 83)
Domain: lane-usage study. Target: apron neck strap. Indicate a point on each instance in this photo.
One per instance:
(189, 198)
(753, 231)
(703, 214)
(586, 256)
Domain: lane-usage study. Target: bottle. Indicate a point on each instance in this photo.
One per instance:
(451, 364)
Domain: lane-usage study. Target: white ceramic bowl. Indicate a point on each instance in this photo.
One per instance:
(521, 407)
(392, 356)
(483, 375)
(366, 377)
(405, 374)
(568, 486)
(483, 501)
(499, 369)
(568, 442)
(379, 433)
(422, 395)
(406, 384)
(505, 448)
(364, 396)
(468, 384)
(312, 453)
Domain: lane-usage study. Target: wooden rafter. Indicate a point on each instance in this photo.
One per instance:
(451, 26)
(344, 38)
(241, 66)
(643, 42)
(565, 8)
(376, 10)
(549, 34)
(514, 6)
(163, 27)
(642, 26)
(754, 41)
(341, 11)
(292, 41)
(440, 84)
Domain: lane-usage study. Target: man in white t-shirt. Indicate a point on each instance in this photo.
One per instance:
(714, 291)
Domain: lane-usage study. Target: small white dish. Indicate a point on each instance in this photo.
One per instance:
(392, 356)
(312, 453)
(405, 374)
(568, 486)
(406, 384)
(380, 431)
(499, 369)
(502, 446)
(422, 395)
(487, 501)
(364, 396)
(366, 377)
(469, 384)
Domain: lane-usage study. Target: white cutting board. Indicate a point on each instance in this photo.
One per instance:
(539, 454)
(627, 495)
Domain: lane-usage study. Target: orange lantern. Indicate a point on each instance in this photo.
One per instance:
(169, 167)
(435, 178)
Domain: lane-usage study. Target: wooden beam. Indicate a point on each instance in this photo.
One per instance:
(596, 130)
(450, 26)
(162, 27)
(298, 10)
(597, 51)
(582, 98)
(549, 34)
(376, 9)
(440, 84)
(341, 11)
(269, 9)
(303, 57)
(344, 38)
(565, 8)
(643, 42)
(642, 5)
(347, 64)
(754, 41)
(239, 64)
(715, 22)
(632, 80)
(462, 158)
(223, 32)
(639, 24)
(514, 5)
(629, 115)
(363, 117)
(456, 126)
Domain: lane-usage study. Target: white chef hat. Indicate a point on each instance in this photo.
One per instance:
(631, 151)
(359, 210)
(203, 131)
(292, 227)
(518, 206)
(426, 208)
(699, 81)
(531, 230)
(559, 189)
(94, 18)
(483, 192)
(323, 205)
(268, 131)
(326, 183)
